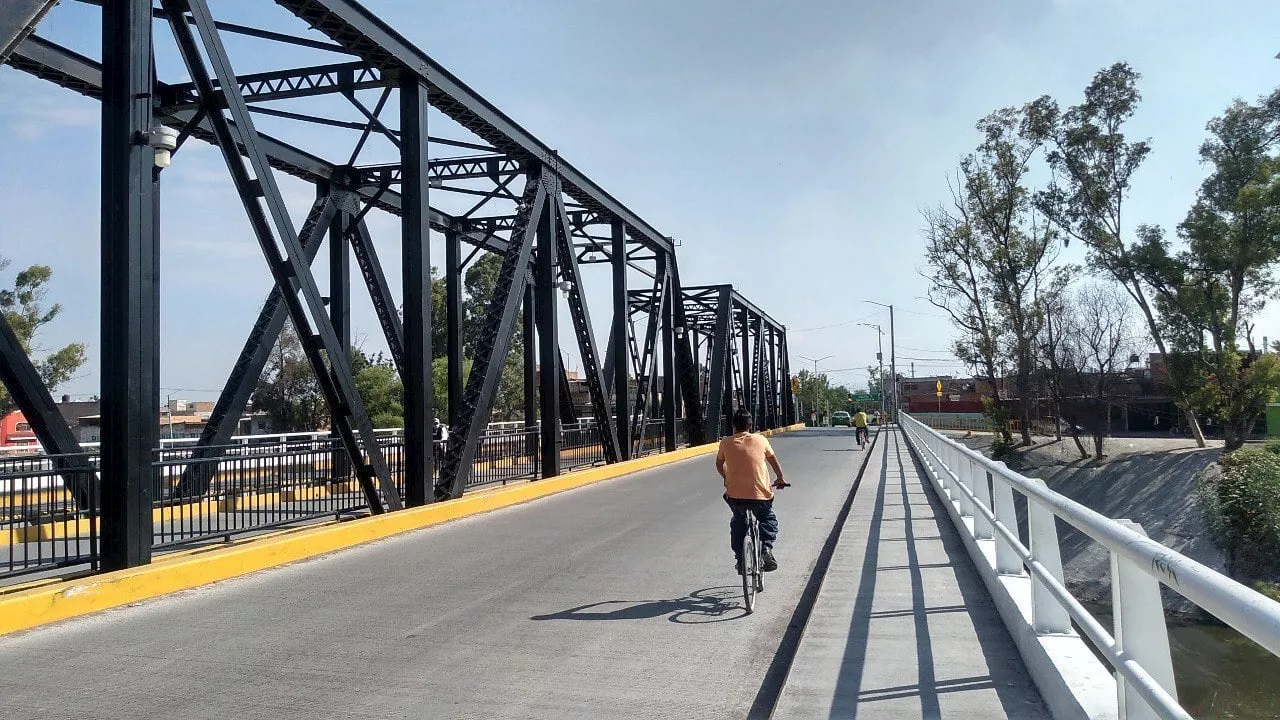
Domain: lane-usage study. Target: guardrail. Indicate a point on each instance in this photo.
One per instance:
(980, 496)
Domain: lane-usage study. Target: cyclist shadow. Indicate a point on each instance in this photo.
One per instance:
(715, 604)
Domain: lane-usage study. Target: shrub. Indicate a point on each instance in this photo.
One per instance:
(1242, 506)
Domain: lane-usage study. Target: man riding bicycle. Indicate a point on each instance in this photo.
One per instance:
(860, 426)
(741, 461)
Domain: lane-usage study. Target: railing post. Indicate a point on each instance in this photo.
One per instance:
(1048, 616)
(960, 464)
(1007, 560)
(1140, 631)
(981, 479)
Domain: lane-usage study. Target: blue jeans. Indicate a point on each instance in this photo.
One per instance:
(763, 510)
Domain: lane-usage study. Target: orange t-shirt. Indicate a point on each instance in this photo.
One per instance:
(746, 474)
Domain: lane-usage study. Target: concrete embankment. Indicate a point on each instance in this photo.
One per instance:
(1150, 481)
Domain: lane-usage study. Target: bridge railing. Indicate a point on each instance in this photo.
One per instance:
(980, 496)
(252, 484)
(41, 524)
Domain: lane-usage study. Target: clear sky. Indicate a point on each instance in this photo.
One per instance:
(787, 146)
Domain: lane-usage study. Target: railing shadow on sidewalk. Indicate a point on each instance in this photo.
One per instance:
(992, 639)
(708, 605)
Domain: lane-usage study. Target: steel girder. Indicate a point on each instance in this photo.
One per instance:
(37, 406)
(234, 398)
(65, 68)
(494, 342)
(286, 84)
(271, 225)
(742, 355)
(215, 107)
(130, 282)
(19, 20)
(362, 33)
(581, 318)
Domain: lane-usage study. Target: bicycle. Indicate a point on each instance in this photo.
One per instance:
(752, 574)
(752, 556)
(862, 435)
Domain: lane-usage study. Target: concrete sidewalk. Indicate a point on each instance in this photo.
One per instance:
(902, 626)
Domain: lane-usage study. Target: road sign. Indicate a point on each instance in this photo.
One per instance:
(939, 388)
(864, 397)
(795, 384)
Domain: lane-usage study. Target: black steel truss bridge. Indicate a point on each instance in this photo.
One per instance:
(351, 121)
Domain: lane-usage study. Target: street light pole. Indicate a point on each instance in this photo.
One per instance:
(893, 364)
(815, 374)
(880, 359)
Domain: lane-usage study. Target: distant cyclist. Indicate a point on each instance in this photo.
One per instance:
(439, 440)
(860, 426)
(741, 461)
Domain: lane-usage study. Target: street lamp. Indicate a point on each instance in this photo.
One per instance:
(815, 372)
(893, 360)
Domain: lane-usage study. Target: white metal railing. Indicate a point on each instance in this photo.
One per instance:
(982, 491)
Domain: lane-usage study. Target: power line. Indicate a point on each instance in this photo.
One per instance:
(933, 360)
(841, 324)
(904, 347)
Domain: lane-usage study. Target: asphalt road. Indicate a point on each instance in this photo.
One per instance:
(615, 600)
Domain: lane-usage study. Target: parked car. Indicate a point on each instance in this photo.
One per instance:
(841, 417)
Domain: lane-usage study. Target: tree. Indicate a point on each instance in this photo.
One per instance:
(959, 286)
(1223, 277)
(813, 392)
(1089, 340)
(990, 255)
(1092, 164)
(479, 283)
(288, 391)
(24, 309)
(380, 388)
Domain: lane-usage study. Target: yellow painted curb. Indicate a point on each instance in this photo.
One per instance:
(44, 604)
(184, 511)
(304, 493)
(248, 501)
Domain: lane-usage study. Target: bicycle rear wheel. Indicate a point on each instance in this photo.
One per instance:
(750, 562)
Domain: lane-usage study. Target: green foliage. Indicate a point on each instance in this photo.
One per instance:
(990, 255)
(26, 313)
(1208, 292)
(479, 283)
(1242, 506)
(380, 389)
(288, 391)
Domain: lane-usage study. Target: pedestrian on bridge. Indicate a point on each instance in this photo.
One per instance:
(741, 462)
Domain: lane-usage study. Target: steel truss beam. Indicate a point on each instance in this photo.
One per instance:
(287, 84)
(645, 361)
(494, 342)
(353, 27)
(484, 167)
(28, 391)
(322, 346)
(587, 348)
(222, 422)
(65, 68)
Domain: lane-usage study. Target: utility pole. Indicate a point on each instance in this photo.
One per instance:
(893, 364)
(879, 359)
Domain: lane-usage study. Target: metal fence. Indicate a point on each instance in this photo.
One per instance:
(980, 496)
(254, 484)
(41, 523)
(257, 487)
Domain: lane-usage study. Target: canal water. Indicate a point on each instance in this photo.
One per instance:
(1221, 674)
